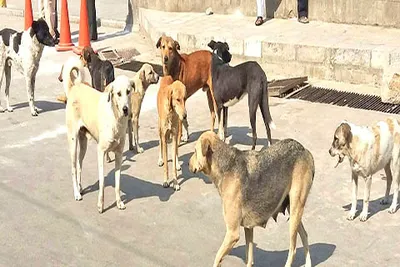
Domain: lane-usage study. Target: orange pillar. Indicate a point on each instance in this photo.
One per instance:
(84, 37)
(28, 14)
(65, 31)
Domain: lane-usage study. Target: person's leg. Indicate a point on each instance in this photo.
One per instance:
(302, 9)
(56, 19)
(260, 12)
(50, 15)
(3, 3)
(91, 5)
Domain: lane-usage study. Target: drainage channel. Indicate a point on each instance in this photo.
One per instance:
(344, 99)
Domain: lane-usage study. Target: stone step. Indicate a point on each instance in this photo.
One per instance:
(338, 52)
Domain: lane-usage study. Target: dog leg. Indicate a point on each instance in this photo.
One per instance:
(30, 85)
(108, 159)
(367, 190)
(220, 115)
(296, 212)
(160, 156)
(165, 157)
(130, 133)
(175, 163)
(185, 137)
(225, 116)
(100, 159)
(353, 209)
(73, 144)
(253, 114)
(82, 151)
(396, 174)
(304, 240)
(389, 180)
(139, 149)
(212, 108)
(1, 82)
(248, 232)
(7, 71)
(118, 163)
(231, 238)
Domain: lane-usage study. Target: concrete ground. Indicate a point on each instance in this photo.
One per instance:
(42, 224)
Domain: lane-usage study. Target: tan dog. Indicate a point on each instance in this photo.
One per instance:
(171, 112)
(369, 150)
(193, 70)
(102, 116)
(255, 186)
(143, 79)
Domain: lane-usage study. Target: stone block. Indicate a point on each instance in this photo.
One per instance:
(353, 75)
(311, 54)
(186, 40)
(392, 92)
(278, 52)
(253, 47)
(351, 56)
(380, 58)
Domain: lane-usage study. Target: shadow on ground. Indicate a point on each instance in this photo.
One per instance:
(132, 188)
(319, 252)
(43, 106)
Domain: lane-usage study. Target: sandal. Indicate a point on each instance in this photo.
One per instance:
(259, 21)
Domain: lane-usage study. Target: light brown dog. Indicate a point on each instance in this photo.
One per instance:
(103, 117)
(171, 112)
(255, 186)
(143, 79)
(193, 70)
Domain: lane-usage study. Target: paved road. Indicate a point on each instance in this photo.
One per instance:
(42, 225)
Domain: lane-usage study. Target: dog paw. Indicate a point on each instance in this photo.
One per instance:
(384, 201)
(351, 216)
(178, 167)
(2, 110)
(177, 187)
(100, 208)
(140, 149)
(34, 112)
(185, 138)
(363, 216)
(10, 109)
(131, 147)
(120, 205)
(78, 196)
(165, 185)
(108, 159)
(160, 163)
(392, 209)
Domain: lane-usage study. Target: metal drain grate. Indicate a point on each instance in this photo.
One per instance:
(344, 99)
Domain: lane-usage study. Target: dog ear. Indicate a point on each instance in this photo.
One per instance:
(35, 26)
(211, 44)
(110, 92)
(205, 146)
(133, 85)
(158, 44)
(227, 46)
(86, 55)
(142, 76)
(177, 45)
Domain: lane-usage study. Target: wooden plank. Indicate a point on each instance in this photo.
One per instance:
(279, 87)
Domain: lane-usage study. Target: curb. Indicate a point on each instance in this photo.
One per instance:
(72, 19)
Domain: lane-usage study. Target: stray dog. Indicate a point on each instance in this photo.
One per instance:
(193, 70)
(143, 78)
(369, 150)
(231, 84)
(65, 73)
(23, 50)
(101, 71)
(171, 113)
(102, 116)
(255, 186)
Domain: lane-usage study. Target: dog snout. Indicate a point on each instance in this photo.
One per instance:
(165, 59)
(125, 110)
(331, 152)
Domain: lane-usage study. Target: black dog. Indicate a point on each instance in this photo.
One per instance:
(231, 84)
(23, 51)
(102, 71)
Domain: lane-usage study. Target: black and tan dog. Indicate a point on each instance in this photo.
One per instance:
(255, 186)
(102, 71)
(231, 84)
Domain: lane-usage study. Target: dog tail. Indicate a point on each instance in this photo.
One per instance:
(265, 105)
(74, 78)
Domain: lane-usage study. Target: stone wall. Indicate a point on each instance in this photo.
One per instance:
(365, 12)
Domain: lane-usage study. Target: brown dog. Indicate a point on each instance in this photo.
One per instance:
(193, 70)
(255, 186)
(171, 112)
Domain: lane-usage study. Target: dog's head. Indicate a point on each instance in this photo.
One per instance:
(40, 29)
(169, 48)
(341, 141)
(87, 54)
(221, 49)
(118, 94)
(201, 159)
(176, 98)
(147, 75)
